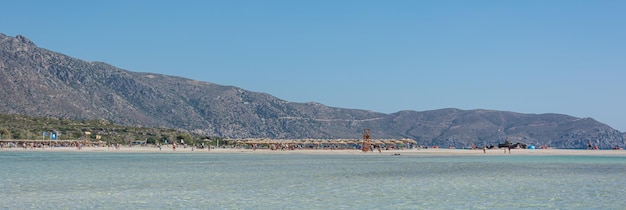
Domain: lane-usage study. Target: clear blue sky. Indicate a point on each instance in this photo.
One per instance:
(531, 56)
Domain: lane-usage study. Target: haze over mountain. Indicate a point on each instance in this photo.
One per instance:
(40, 82)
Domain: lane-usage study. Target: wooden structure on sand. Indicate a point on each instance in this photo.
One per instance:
(367, 141)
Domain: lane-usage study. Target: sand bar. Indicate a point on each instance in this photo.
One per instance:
(416, 152)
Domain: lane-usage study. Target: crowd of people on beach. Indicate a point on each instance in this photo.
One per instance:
(39, 145)
(275, 145)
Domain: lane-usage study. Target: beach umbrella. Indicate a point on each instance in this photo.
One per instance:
(409, 141)
(352, 141)
(377, 142)
(207, 141)
(397, 142)
(387, 141)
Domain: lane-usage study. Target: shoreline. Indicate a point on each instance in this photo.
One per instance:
(409, 152)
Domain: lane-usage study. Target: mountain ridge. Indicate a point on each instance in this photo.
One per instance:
(39, 82)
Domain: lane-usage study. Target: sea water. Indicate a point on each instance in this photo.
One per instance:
(73, 180)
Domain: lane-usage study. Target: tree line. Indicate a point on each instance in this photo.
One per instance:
(22, 127)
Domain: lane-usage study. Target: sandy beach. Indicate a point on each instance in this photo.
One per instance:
(414, 152)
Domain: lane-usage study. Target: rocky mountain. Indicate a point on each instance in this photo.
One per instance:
(39, 82)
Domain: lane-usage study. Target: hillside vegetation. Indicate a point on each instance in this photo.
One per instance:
(32, 128)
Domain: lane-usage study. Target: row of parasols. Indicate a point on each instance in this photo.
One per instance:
(321, 141)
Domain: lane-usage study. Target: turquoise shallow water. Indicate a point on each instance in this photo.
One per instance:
(56, 180)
